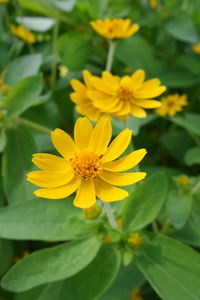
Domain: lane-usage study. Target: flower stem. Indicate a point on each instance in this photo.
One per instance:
(33, 125)
(166, 227)
(111, 52)
(155, 227)
(54, 54)
(110, 215)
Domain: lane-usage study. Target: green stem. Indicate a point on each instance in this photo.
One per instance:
(110, 215)
(166, 227)
(54, 54)
(111, 52)
(155, 227)
(33, 125)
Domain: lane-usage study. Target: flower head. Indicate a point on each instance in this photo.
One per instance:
(135, 295)
(84, 105)
(135, 240)
(4, 1)
(183, 180)
(126, 95)
(153, 3)
(171, 105)
(63, 71)
(196, 48)
(23, 33)
(115, 28)
(92, 212)
(88, 165)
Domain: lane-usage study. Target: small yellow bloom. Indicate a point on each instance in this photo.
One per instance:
(84, 105)
(196, 48)
(5, 89)
(23, 33)
(171, 105)
(106, 239)
(25, 254)
(127, 95)
(5, 1)
(135, 295)
(92, 212)
(183, 180)
(114, 28)
(127, 70)
(88, 165)
(1, 115)
(153, 3)
(63, 71)
(119, 222)
(135, 240)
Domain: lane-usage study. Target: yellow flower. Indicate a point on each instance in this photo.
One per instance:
(153, 3)
(171, 105)
(107, 239)
(63, 71)
(135, 240)
(135, 295)
(5, 88)
(88, 165)
(196, 48)
(115, 28)
(126, 95)
(84, 105)
(183, 180)
(92, 212)
(23, 33)
(4, 1)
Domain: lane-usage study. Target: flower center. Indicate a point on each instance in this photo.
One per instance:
(114, 26)
(86, 164)
(125, 93)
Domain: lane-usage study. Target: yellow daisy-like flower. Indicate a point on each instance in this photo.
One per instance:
(171, 105)
(135, 295)
(115, 28)
(196, 48)
(126, 95)
(84, 105)
(88, 165)
(23, 33)
(153, 3)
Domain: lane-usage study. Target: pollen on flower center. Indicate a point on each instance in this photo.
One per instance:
(125, 93)
(86, 164)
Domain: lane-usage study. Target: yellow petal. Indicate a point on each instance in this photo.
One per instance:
(101, 136)
(85, 196)
(82, 132)
(107, 192)
(138, 78)
(147, 103)
(121, 179)
(63, 143)
(125, 163)
(102, 101)
(77, 86)
(118, 145)
(103, 85)
(138, 112)
(50, 179)
(149, 89)
(60, 192)
(49, 162)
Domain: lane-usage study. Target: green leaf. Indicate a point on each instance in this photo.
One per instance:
(178, 207)
(190, 121)
(137, 53)
(172, 268)
(177, 78)
(22, 67)
(51, 264)
(144, 204)
(40, 24)
(16, 165)
(183, 29)
(3, 140)
(42, 219)
(6, 253)
(192, 156)
(74, 49)
(91, 282)
(23, 95)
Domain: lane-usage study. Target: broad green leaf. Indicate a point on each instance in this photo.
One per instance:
(16, 165)
(40, 24)
(192, 156)
(137, 53)
(42, 219)
(178, 207)
(51, 264)
(178, 78)
(189, 234)
(190, 121)
(172, 268)
(6, 254)
(91, 282)
(183, 28)
(3, 140)
(23, 95)
(22, 67)
(74, 49)
(145, 202)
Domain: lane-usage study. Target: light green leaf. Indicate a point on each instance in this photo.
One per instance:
(192, 156)
(190, 121)
(177, 78)
(3, 140)
(145, 202)
(51, 264)
(91, 282)
(172, 268)
(64, 5)
(21, 68)
(23, 95)
(42, 219)
(40, 24)
(16, 165)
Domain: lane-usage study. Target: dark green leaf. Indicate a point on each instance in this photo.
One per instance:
(145, 202)
(177, 78)
(190, 121)
(51, 264)
(192, 156)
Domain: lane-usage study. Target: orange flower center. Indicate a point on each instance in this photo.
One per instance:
(86, 164)
(125, 93)
(114, 26)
